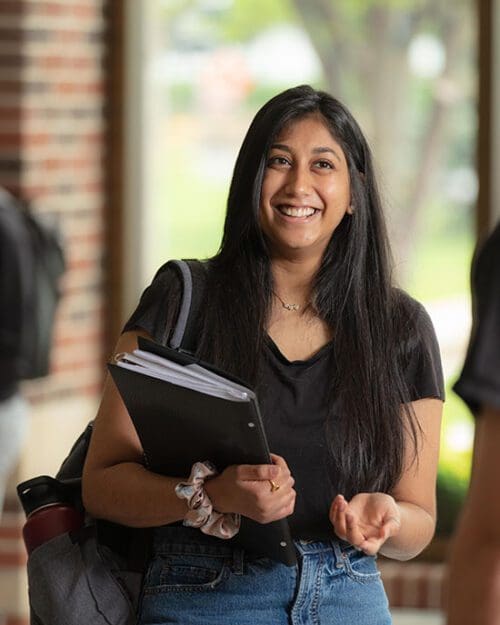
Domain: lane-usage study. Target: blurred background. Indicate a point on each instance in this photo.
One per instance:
(121, 121)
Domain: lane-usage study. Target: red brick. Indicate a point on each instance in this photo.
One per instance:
(11, 60)
(9, 112)
(11, 7)
(12, 559)
(86, 10)
(11, 139)
(70, 88)
(95, 337)
(50, 8)
(9, 86)
(16, 620)
(10, 532)
(71, 37)
(10, 35)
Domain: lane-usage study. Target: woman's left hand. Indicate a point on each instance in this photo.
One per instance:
(366, 521)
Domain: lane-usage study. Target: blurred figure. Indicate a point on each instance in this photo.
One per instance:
(13, 408)
(474, 587)
(31, 265)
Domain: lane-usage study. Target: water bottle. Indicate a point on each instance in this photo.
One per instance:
(49, 509)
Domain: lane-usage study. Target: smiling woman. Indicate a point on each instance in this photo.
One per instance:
(306, 190)
(299, 302)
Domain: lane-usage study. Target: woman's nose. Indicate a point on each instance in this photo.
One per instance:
(298, 181)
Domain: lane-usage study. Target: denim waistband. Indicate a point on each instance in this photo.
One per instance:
(190, 540)
(180, 539)
(311, 547)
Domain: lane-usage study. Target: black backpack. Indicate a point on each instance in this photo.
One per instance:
(32, 263)
(94, 575)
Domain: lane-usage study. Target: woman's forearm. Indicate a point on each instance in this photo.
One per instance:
(473, 594)
(129, 494)
(417, 530)
(474, 573)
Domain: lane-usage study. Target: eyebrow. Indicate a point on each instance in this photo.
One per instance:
(318, 150)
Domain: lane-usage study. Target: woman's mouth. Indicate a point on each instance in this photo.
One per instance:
(296, 211)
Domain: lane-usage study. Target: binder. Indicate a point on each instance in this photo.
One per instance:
(185, 411)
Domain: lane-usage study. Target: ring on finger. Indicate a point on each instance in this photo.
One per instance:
(274, 486)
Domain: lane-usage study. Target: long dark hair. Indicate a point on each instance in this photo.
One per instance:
(353, 294)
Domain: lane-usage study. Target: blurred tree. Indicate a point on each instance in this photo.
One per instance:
(363, 47)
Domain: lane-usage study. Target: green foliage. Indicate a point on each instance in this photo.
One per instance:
(454, 462)
(244, 20)
(173, 7)
(181, 97)
(443, 251)
(358, 8)
(240, 21)
(451, 492)
(190, 210)
(455, 459)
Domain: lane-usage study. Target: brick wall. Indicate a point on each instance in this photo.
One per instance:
(52, 150)
(52, 145)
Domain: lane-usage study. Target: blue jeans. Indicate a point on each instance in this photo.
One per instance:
(194, 579)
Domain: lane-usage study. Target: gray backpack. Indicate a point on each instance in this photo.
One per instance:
(94, 575)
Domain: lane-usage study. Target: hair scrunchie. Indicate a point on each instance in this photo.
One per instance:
(201, 513)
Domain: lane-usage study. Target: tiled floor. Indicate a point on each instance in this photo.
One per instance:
(417, 617)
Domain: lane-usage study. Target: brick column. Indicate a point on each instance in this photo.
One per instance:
(52, 150)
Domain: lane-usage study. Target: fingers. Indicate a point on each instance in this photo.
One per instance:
(280, 461)
(360, 530)
(345, 522)
(391, 527)
(270, 505)
(353, 531)
(263, 492)
(249, 472)
(278, 472)
(337, 516)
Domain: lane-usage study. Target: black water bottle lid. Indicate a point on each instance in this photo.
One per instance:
(40, 492)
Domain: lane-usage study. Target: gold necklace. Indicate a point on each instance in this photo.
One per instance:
(295, 307)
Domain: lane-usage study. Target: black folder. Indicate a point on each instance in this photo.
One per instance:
(178, 426)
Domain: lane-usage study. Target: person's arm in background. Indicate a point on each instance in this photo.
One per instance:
(473, 595)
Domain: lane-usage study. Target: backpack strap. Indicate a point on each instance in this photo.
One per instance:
(193, 276)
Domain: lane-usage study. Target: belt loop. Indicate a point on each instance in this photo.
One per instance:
(339, 556)
(238, 561)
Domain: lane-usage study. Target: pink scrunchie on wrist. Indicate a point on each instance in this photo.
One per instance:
(201, 513)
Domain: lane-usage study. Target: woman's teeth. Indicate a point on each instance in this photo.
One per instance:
(292, 211)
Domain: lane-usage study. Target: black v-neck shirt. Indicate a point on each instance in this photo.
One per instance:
(292, 397)
(479, 382)
(293, 402)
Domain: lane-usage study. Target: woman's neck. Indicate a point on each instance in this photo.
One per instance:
(293, 280)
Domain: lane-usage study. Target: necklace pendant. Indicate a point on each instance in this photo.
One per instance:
(291, 306)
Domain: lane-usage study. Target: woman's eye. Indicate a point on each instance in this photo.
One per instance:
(324, 165)
(278, 160)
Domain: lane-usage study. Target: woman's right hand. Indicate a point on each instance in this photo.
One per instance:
(246, 489)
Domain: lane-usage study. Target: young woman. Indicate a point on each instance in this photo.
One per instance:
(300, 303)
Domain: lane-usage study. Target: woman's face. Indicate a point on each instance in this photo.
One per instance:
(305, 191)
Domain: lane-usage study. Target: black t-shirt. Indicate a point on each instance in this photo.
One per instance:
(479, 382)
(293, 402)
